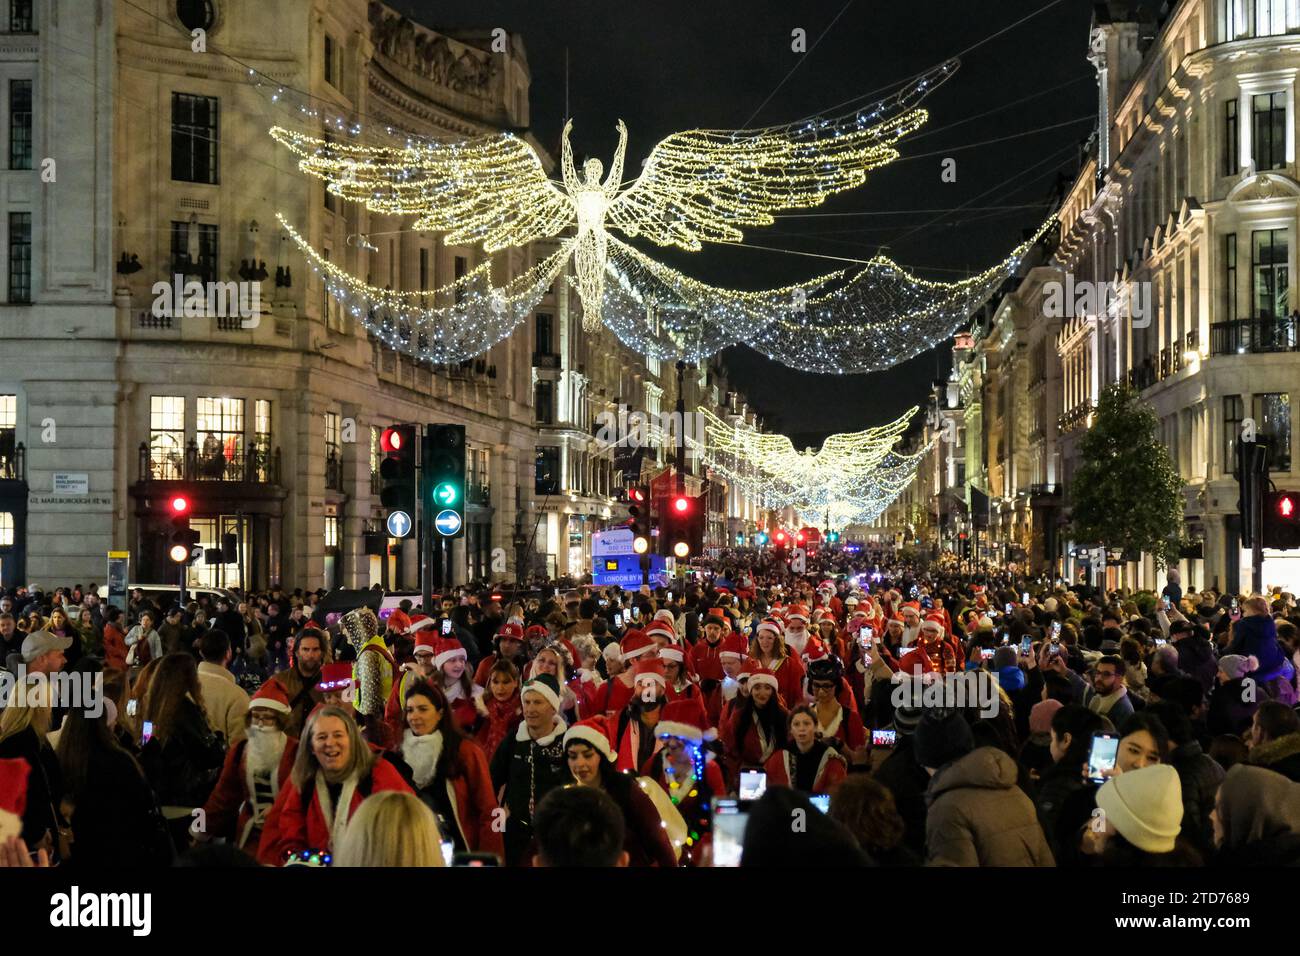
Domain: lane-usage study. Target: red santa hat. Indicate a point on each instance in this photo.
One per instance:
(797, 612)
(538, 632)
(13, 796)
(748, 667)
(593, 731)
(650, 669)
(663, 614)
(911, 606)
(769, 625)
(425, 643)
(815, 651)
(420, 623)
(860, 613)
(660, 629)
(761, 675)
(635, 644)
(272, 696)
(933, 623)
(685, 718)
(672, 653)
(733, 647)
(335, 676)
(448, 649)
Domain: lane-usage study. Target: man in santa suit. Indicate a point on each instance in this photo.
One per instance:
(421, 668)
(634, 726)
(911, 614)
(704, 654)
(933, 653)
(827, 598)
(612, 696)
(255, 771)
(731, 655)
(661, 633)
(796, 630)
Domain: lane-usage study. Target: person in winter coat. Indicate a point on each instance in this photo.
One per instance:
(225, 702)
(806, 762)
(24, 726)
(1232, 707)
(977, 816)
(116, 821)
(590, 759)
(1072, 730)
(1255, 635)
(1108, 696)
(114, 640)
(500, 707)
(333, 772)
(183, 756)
(448, 771)
(1140, 821)
(142, 653)
(1257, 819)
(867, 809)
(1275, 739)
(451, 664)
(529, 765)
(1199, 775)
(257, 768)
(1196, 655)
(906, 779)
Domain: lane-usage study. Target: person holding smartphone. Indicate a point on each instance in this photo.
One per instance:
(757, 725)
(807, 762)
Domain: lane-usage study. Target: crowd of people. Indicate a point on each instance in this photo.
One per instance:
(677, 725)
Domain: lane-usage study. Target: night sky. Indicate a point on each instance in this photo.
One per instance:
(667, 65)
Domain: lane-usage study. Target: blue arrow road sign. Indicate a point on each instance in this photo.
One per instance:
(447, 523)
(399, 524)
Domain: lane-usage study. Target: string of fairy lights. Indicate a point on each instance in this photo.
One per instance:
(851, 479)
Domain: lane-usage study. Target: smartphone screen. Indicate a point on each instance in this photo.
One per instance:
(1102, 755)
(449, 852)
(1024, 598)
(822, 801)
(884, 738)
(1026, 647)
(1056, 629)
(670, 597)
(618, 618)
(728, 832)
(1161, 642)
(986, 653)
(147, 733)
(446, 626)
(753, 784)
(1010, 608)
(636, 613)
(132, 706)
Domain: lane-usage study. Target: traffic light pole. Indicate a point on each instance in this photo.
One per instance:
(427, 530)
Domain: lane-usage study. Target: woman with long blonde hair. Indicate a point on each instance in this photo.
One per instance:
(24, 727)
(391, 828)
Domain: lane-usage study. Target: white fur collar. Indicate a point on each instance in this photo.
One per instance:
(560, 727)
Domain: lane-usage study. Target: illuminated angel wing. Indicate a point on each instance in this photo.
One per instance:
(492, 189)
(702, 185)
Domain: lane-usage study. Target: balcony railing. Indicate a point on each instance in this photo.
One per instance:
(478, 494)
(333, 472)
(1143, 376)
(255, 466)
(13, 457)
(545, 360)
(1266, 334)
(1075, 417)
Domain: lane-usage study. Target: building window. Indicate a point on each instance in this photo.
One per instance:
(6, 529)
(1270, 274)
(195, 137)
(8, 436)
(20, 124)
(424, 270)
(167, 437)
(547, 480)
(1270, 130)
(262, 438)
(220, 433)
(544, 403)
(331, 531)
(545, 334)
(20, 16)
(20, 257)
(1270, 18)
(333, 451)
(1273, 418)
(1233, 410)
(332, 71)
(1230, 277)
(1231, 138)
(183, 261)
(195, 14)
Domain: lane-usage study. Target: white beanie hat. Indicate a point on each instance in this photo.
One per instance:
(1145, 806)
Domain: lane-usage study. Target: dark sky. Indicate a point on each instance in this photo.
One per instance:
(669, 65)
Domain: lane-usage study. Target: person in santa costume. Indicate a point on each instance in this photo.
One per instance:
(704, 653)
(690, 777)
(934, 653)
(13, 805)
(635, 727)
(373, 673)
(911, 614)
(828, 633)
(333, 771)
(528, 765)
(769, 649)
(420, 667)
(450, 663)
(612, 696)
(796, 635)
(509, 647)
(335, 684)
(838, 721)
(448, 771)
(730, 659)
(806, 762)
(678, 682)
(590, 759)
(256, 770)
(662, 633)
(757, 726)
(499, 707)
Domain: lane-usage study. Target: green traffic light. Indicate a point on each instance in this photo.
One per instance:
(446, 494)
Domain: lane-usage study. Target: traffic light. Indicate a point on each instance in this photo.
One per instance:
(638, 509)
(1281, 520)
(444, 479)
(682, 528)
(184, 538)
(832, 537)
(761, 538)
(397, 479)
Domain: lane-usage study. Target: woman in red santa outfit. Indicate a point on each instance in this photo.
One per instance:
(730, 659)
(679, 684)
(635, 727)
(499, 706)
(806, 762)
(838, 721)
(612, 696)
(591, 761)
(256, 770)
(448, 771)
(757, 727)
(421, 667)
(768, 648)
(933, 652)
(334, 770)
(690, 777)
(450, 662)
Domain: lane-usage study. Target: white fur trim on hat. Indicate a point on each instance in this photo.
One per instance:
(590, 735)
(657, 678)
(672, 653)
(652, 647)
(769, 626)
(445, 656)
(768, 679)
(672, 728)
(537, 687)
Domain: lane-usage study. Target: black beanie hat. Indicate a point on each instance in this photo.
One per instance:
(942, 738)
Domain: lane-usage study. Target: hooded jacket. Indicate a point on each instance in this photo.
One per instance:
(979, 817)
(1281, 755)
(1259, 812)
(1256, 636)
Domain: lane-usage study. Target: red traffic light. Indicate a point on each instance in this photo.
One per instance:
(180, 505)
(391, 440)
(635, 494)
(681, 504)
(799, 538)
(780, 537)
(1286, 506)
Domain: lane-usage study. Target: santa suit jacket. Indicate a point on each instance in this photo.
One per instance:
(830, 771)
(230, 810)
(610, 697)
(845, 731)
(294, 824)
(704, 659)
(500, 720)
(395, 709)
(472, 798)
(695, 805)
(789, 680)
